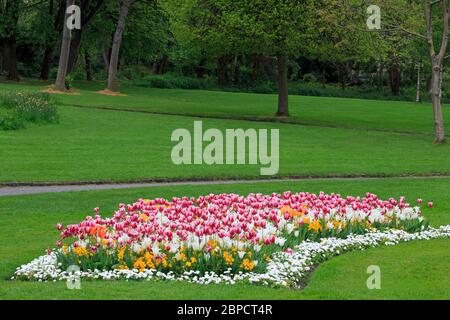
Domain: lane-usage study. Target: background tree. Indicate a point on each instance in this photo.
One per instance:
(89, 10)
(60, 83)
(52, 11)
(437, 59)
(272, 28)
(9, 17)
(124, 6)
(202, 26)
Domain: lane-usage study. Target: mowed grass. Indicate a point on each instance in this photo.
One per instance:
(416, 270)
(93, 145)
(318, 111)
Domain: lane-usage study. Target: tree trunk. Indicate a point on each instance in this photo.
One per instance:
(160, 65)
(395, 79)
(74, 50)
(1, 57)
(283, 95)
(342, 75)
(11, 58)
(350, 71)
(113, 84)
(419, 80)
(11, 8)
(88, 12)
(323, 77)
(106, 53)
(88, 65)
(436, 93)
(256, 65)
(60, 83)
(234, 69)
(380, 76)
(221, 72)
(46, 61)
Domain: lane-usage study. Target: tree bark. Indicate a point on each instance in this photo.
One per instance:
(256, 65)
(1, 57)
(88, 12)
(380, 81)
(221, 72)
(10, 43)
(88, 65)
(113, 84)
(283, 94)
(46, 61)
(436, 94)
(74, 50)
(160, 65)
(50, 41)
(106, 54)
(234, 69)
(419, 78)
(323, 77)
(11, 58)
(60, 83)
(437, 62)
(341, 68)
(395, 78)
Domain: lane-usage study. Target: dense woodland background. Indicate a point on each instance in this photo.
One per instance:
(320, 47)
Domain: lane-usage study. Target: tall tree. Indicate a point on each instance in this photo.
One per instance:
(434, 28)
(334, 36)
(202, 26)
(274, 28)
(124, 6)
(437, 60)
(60, 83)
(8, 32)
(55, 13)
(89, 9)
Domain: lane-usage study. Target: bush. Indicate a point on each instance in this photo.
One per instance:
(169, 81)
(309, 77)
(10, 120)
(134, 72)
(16, 108)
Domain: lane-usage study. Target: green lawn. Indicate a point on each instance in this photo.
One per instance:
(91, 144)
(319, 111)
(417, 270)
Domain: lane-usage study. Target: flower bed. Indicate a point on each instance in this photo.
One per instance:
(227, 238)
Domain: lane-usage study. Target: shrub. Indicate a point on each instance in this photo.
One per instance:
(10, 120)
(309, 77)
(169, 81)
(134, 72)
(20, 107)
(69, 82)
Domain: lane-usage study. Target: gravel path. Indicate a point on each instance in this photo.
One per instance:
(24, 190)
(12, 191)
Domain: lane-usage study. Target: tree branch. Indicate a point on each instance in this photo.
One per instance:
(445, 32)
(429, 26)
(399, 28)
(93, 12)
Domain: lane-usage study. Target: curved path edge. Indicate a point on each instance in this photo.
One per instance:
(14, 189)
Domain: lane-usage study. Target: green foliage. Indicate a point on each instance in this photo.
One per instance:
(134, 72)
(309, 77)
(170, 81)
(17, 108)
(69, 82)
